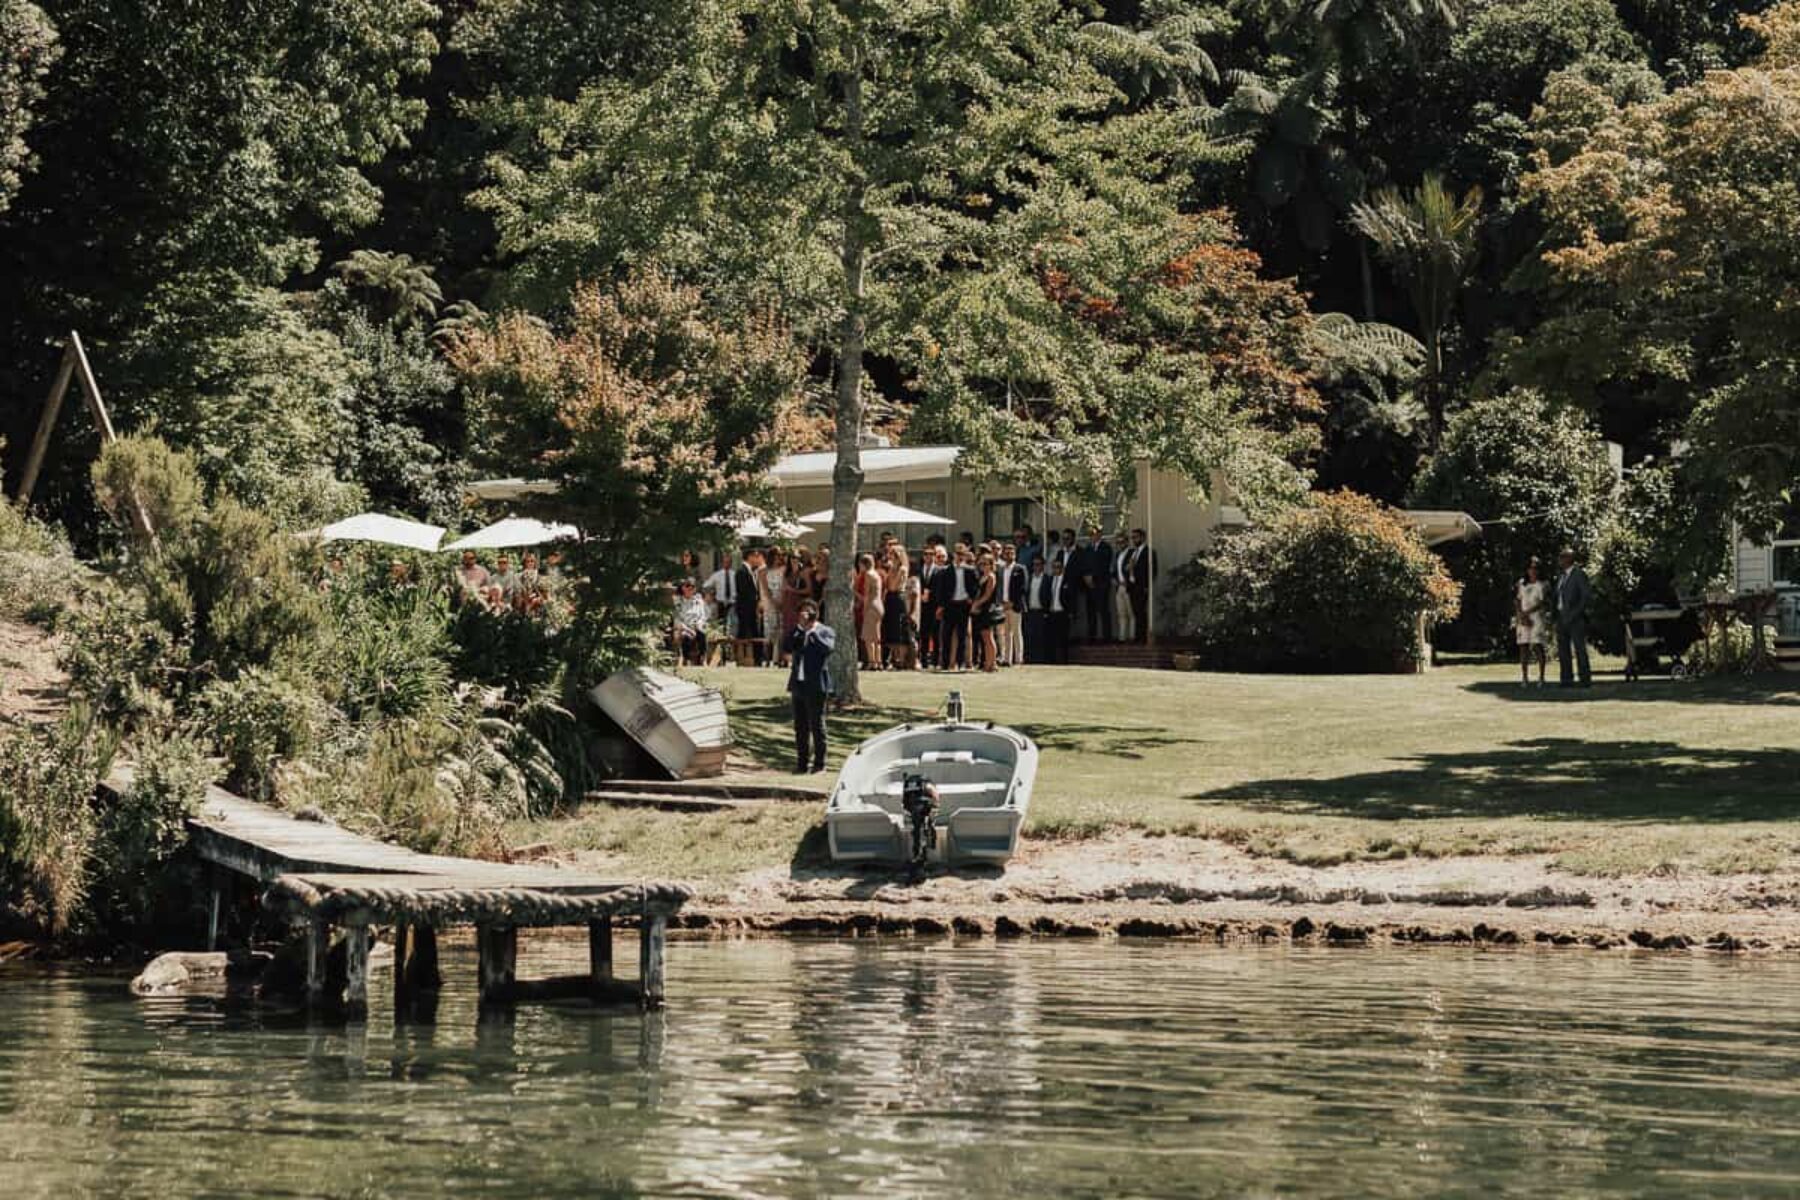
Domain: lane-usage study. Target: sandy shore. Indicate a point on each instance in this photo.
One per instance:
(1133, 885)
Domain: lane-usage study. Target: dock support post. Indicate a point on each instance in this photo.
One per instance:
(652, 932)
(499, 951)
(356, 971)
(416, 977)
(214, 886)
(600, 955)
(318, 945)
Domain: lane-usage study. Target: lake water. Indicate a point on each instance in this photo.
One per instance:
(936, 1068)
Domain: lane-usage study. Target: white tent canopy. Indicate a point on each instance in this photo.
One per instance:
(389, 531)
(881, 512)
(1440, 526)
(514, 531)
(748, 521)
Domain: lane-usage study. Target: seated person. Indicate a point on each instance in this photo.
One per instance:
(505, 578)
(687, 632)
(471, 577)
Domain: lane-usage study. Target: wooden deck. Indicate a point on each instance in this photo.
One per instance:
(323, 877)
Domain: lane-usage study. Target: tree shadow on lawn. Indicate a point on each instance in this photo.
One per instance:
(1557, 778)
(1771, 689)
(764, 730)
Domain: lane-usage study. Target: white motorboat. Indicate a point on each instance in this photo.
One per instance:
(982, 774)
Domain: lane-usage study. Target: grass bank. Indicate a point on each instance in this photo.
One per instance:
(1651, 777)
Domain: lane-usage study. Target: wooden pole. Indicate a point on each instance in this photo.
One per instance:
(318, 944)
(356, 970)
(40, 441)
(652, 933)
(402, 952)
(1150, 549)
(214, 887)
(498, 946)
(600, 954)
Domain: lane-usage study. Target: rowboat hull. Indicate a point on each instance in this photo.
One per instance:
(984, 775)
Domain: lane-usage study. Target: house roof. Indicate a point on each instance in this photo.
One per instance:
(880, 464)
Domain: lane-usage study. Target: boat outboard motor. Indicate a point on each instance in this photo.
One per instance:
(953, 708)
(919, 797)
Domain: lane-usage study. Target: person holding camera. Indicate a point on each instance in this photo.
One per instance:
(808, 649)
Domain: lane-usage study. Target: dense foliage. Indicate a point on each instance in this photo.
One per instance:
(1541, 480)
(1340, 583)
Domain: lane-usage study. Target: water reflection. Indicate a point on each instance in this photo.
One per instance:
(934, 1068)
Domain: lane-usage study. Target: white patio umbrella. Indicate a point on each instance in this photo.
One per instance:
(881, 512)
(748, 522)
(514, 531)
(379, 527)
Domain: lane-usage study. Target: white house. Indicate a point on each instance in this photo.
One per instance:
(928, 478)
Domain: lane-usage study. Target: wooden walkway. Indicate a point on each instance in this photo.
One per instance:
(326, 878)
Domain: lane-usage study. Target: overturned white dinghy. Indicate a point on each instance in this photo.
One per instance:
(982, 773)
(680, 724)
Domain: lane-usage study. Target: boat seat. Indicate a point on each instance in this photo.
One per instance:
(947, 756)
(945, 790)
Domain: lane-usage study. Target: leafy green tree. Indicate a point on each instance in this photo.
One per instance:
(1671, 227)
(27, 52)
(191, 154)
(651, 417)
(403, 291)
(895, 176)
(1428, 238)
(1538, 477)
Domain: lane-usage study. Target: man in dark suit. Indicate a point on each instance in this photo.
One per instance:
(930, 564)
(1136, 569)
(1573, 595)
(747, 599)
(1050, 596)
(953, 588)
(1093, 575)
(1036, 623)
(809, 683)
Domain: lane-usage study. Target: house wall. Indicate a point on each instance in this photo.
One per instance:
(1180, 527)
(1754, 567)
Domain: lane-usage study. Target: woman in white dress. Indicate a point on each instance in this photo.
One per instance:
(774, 579)
(1531, 622)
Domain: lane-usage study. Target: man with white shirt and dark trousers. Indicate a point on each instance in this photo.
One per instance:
(1047, 609)
(952, 590)
(1135, 570)
(1009, 593)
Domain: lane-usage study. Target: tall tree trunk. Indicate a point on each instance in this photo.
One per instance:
(847, 475)
(1434, 391)
(1368, 279)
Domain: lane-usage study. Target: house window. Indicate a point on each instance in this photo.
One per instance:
(1787, 564)
(1000, 517)
(935, 503)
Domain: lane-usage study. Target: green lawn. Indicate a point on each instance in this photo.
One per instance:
(1625, 778)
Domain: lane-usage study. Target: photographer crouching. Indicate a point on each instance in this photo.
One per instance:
(809, 682)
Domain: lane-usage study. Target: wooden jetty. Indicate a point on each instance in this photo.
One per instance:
(325, 878)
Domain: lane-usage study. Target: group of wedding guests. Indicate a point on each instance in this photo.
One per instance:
(955, 606)
(501, 589)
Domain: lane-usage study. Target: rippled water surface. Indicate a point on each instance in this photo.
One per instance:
(824, 1068)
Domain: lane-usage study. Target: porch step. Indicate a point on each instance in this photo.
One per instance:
(1123, 654)
(725, 788)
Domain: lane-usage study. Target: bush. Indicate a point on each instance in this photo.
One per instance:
(1538, 478)
(39, 574)
(257, 721)
(388, 655)
(1337, 584)
(136, 877)
(48, 827)
(120, 660)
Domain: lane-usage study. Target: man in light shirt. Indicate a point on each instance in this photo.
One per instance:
(1009, 584)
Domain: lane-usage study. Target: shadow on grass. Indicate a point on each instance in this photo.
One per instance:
(763, 729)
(1773, 688)
(1556, 778)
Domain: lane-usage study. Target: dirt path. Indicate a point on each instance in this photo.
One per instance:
(1137, 885)
(33, 689)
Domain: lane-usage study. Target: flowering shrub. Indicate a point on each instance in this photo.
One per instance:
(1339, 583)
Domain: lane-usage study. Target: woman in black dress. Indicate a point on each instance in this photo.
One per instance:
(985, 613)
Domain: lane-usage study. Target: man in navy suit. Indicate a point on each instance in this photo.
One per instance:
(952, 589)
(809, 683)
